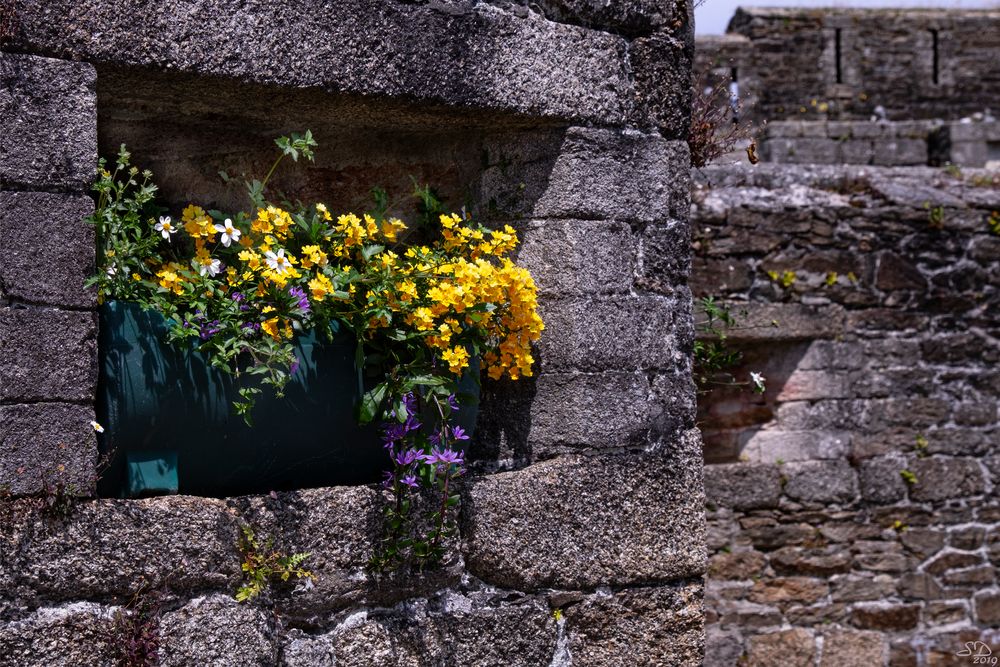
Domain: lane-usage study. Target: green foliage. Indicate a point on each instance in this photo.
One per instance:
(714, 357)
(262, 565)
(908, 477)
(920, 446)
(935, 216)
(994, 221)
(785, 278)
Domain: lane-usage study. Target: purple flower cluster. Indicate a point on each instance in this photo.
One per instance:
(303, 300)
(407, 462)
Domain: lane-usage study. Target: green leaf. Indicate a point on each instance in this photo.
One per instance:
(370, 403)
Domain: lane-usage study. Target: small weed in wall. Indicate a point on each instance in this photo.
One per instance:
(908, 477)
(262, 565)
(994, 222)
(935, 216)
(135, 632)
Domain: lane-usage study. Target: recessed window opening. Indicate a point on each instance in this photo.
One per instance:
(837, 52)
(935, 63)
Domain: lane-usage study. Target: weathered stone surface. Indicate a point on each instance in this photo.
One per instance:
(630, 17)
(51, 442)
(788, 647)
(743, 486)
(450, 629)
(886, 616)
(579, 257)
(340, 528)
(579, 522)
(75, 635)
(816, 562)
(987, 606)
(574, 411)
(880, 479)
(622, 333)
(452, 53)
(736, 564)
(597, 175)
(188, 542)
(639, 626)
(919, 586)
(848, 648)
(48, 121)
(821, 481)
(218, 631)
(788, 589)
(941, 478)
(853, 588)
(770, 446)
(48, 250)
(662, 69)
(47, 355)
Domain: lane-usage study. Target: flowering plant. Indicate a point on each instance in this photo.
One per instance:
(423, 304)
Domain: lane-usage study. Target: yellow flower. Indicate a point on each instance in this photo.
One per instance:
(320, 286)
(457, 358)
(271, 327)
(392, 227)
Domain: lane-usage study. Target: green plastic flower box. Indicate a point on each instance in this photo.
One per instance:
(170, 427)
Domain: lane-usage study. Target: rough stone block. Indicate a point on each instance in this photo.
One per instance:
(821, 481)
(661, 65)
(48, 250)
(880, 479)
(108, 547)
(849, 648)
(340, 527)
(624, 333)
(456, 54)
(630, 16)
(579, 522)
(856, 152)
(987, 606)
(816, 562)
(900, 152)
(736, 564)
(794, 648)
(51, 442)
(217, 630)
(816, 385)
(638, 626)
(450, 629)
(47, 355)
(772, 446)
(48, 121)
(743, 486)
(578, 257)
(789, 321)
(75, 635)
(788, 589)
(886, 616)
(665, 255)
(943, 478)
(597, 174)
(560, 412)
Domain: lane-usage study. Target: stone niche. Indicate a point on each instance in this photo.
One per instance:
(582, 526)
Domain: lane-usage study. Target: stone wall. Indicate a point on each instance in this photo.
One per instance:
(842, 64)
(853, 514)
(582, 526)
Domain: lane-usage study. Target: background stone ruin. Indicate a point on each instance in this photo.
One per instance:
(852, 509)
(566, 119)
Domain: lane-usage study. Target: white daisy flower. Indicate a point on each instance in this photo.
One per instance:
(97, 427)
(229, 233)
(277, 262)
(165, 227)
(111, 271)
(758, 382)
(212, 268)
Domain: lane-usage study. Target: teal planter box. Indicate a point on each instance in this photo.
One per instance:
(170, 427)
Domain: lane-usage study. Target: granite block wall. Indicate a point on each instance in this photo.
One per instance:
(582, 528)
(852, 508)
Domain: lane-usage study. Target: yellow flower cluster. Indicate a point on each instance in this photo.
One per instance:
(459, 293)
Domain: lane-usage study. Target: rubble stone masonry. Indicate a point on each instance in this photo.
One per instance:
(853, 512)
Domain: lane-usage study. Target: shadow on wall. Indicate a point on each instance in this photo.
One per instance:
(734, 421)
